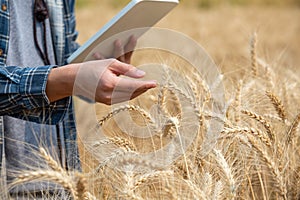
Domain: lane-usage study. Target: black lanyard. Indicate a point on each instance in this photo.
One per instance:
(41, 14)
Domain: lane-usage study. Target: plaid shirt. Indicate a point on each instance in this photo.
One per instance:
(22, 90)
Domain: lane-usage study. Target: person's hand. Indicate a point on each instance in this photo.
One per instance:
(122, 52)
(100, 80)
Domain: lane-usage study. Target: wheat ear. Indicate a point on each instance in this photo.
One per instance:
(227, 171)
(89, 196)
(237, 102)
(145, 178)
(161, 100)
(174, 88)
(43, 175)
(144, 113)
(217, 194)
(81, 187)
(292, 129)
(203, 84)
(51, 162)
(253, 45)
(295, 184)
(170, 124)
(262, 120)
(120, 142)
(207, 184)
(81, 182)
(175, 103)
(138, 161)
(277, 104)
(251, 131)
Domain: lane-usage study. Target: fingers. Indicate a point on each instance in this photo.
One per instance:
(124, 53)
(130, 46)
(120, 68)
(122, 97)
(130, 85)
(98, 56)
(119, 51)
(128, 89)
(99, 81)
(124, 90)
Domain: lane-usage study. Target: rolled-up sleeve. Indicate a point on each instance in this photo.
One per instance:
(23, 95)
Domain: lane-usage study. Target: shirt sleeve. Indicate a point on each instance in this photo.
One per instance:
(70, 29)
(23, 95)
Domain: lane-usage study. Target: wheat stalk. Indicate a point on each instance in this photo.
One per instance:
(258, 171)
(271, 165)
(196, 191)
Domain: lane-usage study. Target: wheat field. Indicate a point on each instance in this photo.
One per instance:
(254, 151)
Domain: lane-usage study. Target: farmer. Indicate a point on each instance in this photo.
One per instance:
(36, 85)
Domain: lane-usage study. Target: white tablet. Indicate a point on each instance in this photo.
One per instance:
(134, 19)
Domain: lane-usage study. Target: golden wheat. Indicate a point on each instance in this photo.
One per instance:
(253, 54)
(278, 105)
(262, 120)
(255, 157)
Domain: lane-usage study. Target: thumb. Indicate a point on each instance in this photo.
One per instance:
(120, 68)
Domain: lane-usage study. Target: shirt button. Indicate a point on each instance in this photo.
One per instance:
(4, 7)
(1, 52)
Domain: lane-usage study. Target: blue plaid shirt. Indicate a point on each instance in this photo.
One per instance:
(22, 90)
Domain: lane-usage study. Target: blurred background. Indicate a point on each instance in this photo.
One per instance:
(223, 27)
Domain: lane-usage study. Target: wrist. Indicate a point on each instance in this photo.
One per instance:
(60, 82)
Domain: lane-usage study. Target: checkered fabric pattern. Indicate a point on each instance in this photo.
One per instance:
(22, 90)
